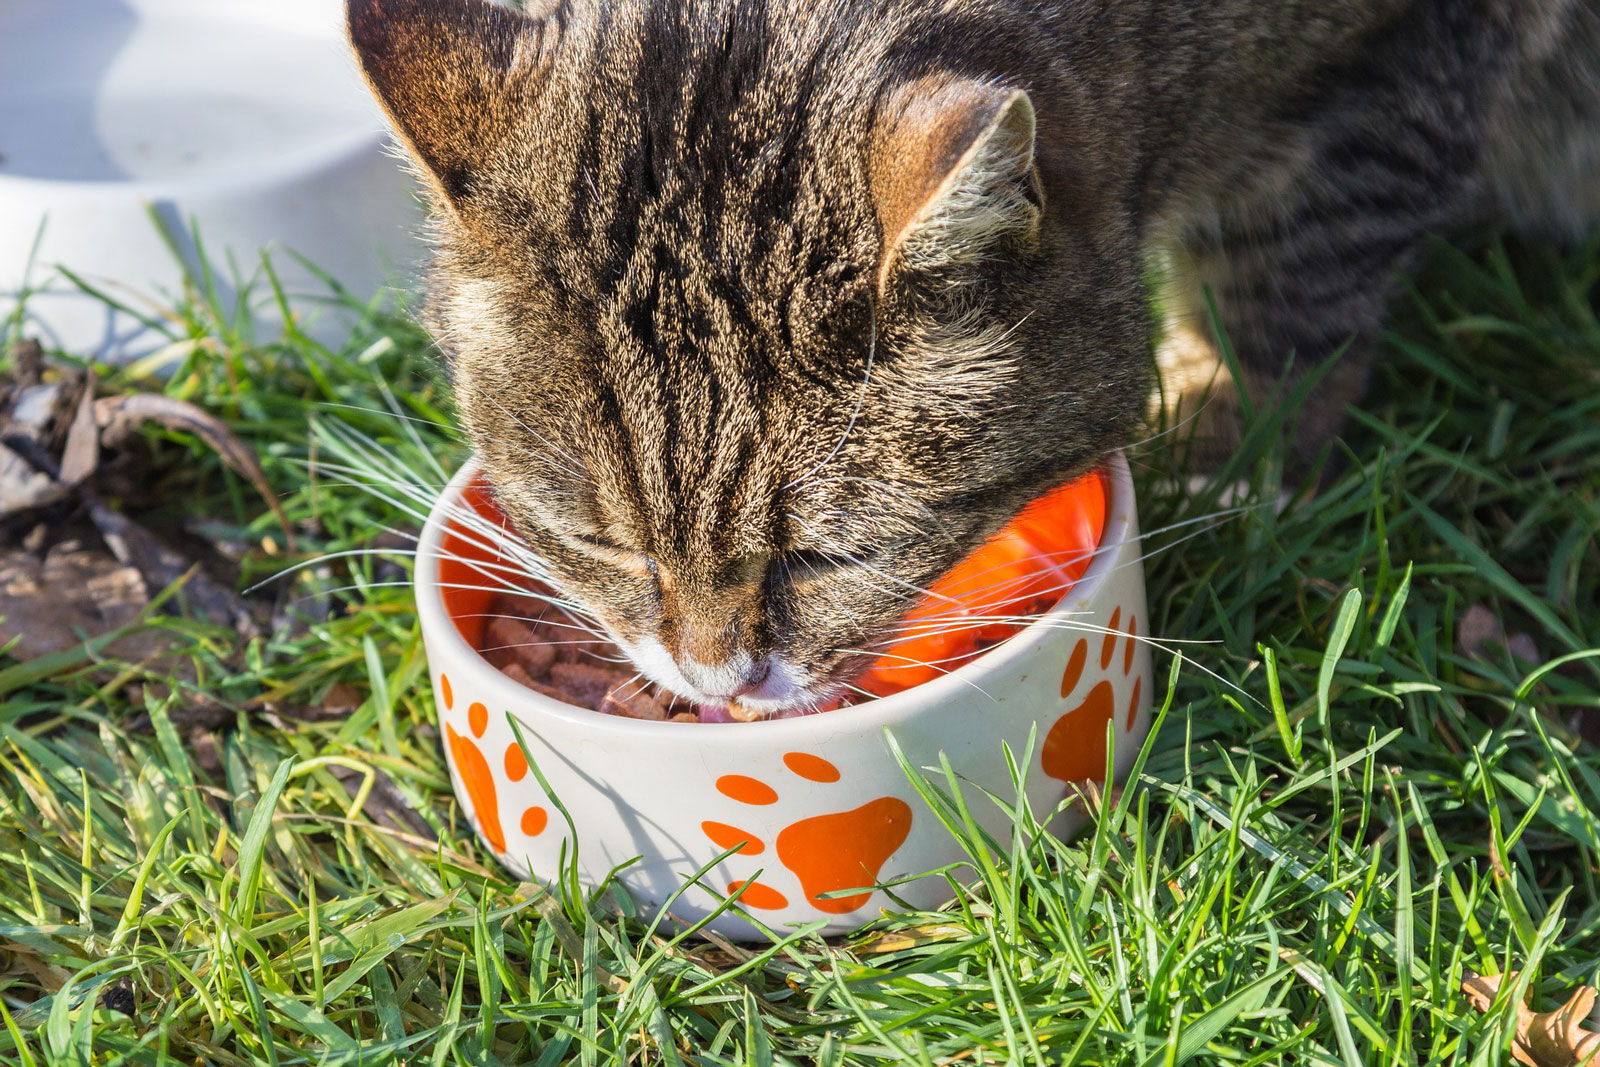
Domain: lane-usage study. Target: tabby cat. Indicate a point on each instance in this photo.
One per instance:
(762, 313)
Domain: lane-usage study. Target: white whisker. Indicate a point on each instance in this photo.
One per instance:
(861, 396)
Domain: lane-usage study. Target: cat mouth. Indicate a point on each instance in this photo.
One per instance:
(784, 692)
(781, 697)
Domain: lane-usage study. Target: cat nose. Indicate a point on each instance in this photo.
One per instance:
(735, 676)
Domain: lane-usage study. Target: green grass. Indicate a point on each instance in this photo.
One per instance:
(1323, 840)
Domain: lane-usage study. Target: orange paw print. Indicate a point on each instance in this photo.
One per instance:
(478, 777)
(826, 853)
(1075, 747)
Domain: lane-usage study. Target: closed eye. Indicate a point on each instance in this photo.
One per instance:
(626, 557)
(598, 544)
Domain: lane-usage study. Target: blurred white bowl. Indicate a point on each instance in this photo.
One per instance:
(245, 118)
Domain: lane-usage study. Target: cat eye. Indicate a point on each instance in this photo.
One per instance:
(599, 544)
(607, 547)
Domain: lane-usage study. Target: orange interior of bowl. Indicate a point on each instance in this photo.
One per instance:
(1022, 572)
(470, 571)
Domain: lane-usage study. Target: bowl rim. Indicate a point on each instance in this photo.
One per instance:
(301, 160)
(439, 630)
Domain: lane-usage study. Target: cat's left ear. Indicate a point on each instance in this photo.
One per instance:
(952, 172)
(450, 74)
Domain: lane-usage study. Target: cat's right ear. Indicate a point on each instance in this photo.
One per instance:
(952, 173)
(449, 74)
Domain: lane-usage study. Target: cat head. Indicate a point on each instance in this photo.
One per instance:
(758, 318)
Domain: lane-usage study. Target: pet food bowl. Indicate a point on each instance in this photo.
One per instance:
(131, 123)
(823, 815)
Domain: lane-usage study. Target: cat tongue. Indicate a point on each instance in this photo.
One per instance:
(714, 713)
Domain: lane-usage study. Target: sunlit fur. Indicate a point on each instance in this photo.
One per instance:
(762, 313)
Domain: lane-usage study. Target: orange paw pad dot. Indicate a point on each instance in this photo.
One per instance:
(756, 895)
(725, 837)
(828, 854)
(473, 767)
(516, 762)
(534, 820)
(1075, 747)
(746, 790)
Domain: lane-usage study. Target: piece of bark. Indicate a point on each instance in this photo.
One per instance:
(199, 714)
(73, 594)
(386, 805)
(160, 566)
(27, 361)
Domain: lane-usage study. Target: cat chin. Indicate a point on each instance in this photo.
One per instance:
(785, 687)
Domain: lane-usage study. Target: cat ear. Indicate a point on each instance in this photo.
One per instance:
(952, 173)
(446, 73)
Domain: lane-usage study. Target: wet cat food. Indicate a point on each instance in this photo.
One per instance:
(537, 646)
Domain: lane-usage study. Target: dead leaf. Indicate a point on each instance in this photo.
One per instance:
(1497, 863)
(81, 455)
(1094, 797)
(341, 700)
(1543, 1039)
(910, 937)
(119, 416)
(570, 940)
(23, 487)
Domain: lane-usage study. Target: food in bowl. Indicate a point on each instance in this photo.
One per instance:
(992, 595)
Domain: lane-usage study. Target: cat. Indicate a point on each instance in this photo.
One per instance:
(760, 314)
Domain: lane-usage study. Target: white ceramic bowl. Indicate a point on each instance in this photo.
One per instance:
(248, 118)
(820, 800)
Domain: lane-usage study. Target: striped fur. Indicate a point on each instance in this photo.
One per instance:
(761, 313)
